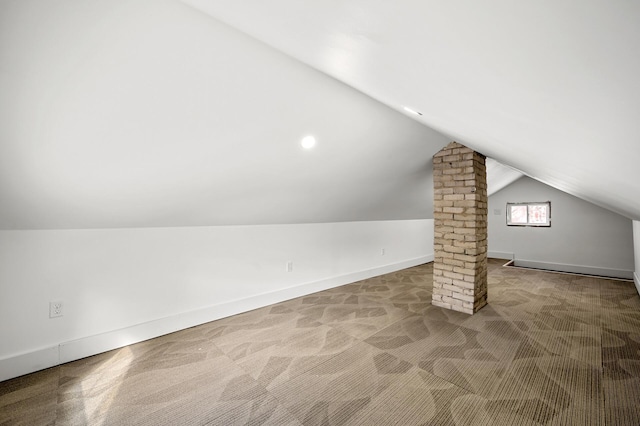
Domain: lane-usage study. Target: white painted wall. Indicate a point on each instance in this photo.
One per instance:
(124, 285)
(582, 238)
(636, 251)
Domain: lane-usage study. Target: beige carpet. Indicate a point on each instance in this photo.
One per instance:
(549, 349)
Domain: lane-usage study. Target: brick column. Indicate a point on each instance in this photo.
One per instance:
(460, 233)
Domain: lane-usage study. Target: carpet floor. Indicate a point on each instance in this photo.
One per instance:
(548, 349)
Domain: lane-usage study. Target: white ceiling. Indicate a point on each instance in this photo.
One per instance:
(137, 113)
(499, 176)
(548, 87)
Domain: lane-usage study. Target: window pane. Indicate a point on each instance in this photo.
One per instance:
(538, 213)
(529, 214)
(518, 214)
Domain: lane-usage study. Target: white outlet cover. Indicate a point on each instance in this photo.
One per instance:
(56, 309)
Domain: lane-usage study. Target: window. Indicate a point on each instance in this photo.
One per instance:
(529, 214)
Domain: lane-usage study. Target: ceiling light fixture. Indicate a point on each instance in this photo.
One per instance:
(308, 142)
(412, 111)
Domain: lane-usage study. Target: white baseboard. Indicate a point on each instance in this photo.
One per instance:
(575, 269)
(500, 255)
(91, 345)
(29, 362)
(636, 280)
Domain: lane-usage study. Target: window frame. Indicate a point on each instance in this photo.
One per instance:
(546, 224)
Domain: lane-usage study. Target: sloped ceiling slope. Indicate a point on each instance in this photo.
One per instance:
(126, 113)
(550, 88)
(499, 176)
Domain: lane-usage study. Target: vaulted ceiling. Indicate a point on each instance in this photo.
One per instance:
(550, 88)
(126, 113)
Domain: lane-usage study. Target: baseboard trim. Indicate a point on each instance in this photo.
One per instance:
(92, 345)
(636, 280)
(29, 362)
(500, 255)
(575, 269)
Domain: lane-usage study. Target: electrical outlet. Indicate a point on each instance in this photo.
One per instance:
(382, 252)
(56, 309)
(289, 266)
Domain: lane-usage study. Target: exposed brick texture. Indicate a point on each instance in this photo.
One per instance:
(460, 234)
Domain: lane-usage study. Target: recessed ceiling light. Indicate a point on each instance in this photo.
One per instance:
(308, 142)
(412, 111)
